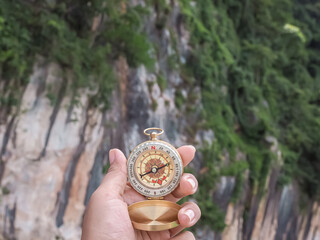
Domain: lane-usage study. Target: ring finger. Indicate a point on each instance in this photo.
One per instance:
(188, 185)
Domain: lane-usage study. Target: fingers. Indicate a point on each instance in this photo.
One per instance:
(188, 215)
(184, 236)
(115, 181)
(188, 185)
(187, 154)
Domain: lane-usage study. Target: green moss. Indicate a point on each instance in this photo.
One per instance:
(162, 82)
(150, 86)
(105, 168)
(173, 61)
(179, 99)
(9, 100)
(5, 191)
(154, 105)
(212, 215)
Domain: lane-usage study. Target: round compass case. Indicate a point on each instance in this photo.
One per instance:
(154, 170)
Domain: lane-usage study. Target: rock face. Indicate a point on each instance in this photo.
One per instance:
(275, 216)
(53, 158)
(53, 154)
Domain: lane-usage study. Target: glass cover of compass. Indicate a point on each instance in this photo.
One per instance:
(154, 167)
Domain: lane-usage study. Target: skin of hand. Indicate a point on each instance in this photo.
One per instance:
(107, 217)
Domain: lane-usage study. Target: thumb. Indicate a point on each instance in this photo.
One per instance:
(115, 181)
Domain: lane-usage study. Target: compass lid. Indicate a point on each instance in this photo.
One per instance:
(154, 215)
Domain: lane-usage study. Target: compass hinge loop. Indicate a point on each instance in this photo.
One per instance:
(155, 132)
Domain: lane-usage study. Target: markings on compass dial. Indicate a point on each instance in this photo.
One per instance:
(155, 168)
(159, 181)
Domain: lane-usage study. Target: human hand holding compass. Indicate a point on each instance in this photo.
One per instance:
(107, 214)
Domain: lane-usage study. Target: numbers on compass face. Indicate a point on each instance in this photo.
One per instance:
(154, 169)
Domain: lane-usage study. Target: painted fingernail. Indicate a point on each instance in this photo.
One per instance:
(192, 182)
(111, 156)
(190, 214)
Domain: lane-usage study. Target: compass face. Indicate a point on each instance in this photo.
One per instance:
(154, 168)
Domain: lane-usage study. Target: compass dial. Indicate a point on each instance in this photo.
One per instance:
(154, 168)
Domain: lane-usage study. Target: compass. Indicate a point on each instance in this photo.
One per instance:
(154, 170)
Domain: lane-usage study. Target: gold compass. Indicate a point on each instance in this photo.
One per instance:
(154, 170)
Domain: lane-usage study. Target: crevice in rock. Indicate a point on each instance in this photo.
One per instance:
(315, 233)
(272, 193)
(63, 195)
(9, 219)
(96, 174)
(112, 137)
(53, 117)
(224, 193)
(248, 225)
(42, 84)
(137, 102)
(4, 145)
(292, 232)
(308, 225)
(285, 212)
(70, 107)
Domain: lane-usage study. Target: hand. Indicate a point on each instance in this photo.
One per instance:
(107, 217)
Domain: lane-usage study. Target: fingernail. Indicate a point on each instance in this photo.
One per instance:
(193, 148)
(192, 182)
(112, 156)
(190, 214)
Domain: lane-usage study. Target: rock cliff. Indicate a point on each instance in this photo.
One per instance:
(54, 153)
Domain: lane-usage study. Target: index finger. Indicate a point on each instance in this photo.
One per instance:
(187, 154)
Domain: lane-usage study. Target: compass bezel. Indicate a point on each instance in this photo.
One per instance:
(138, 185)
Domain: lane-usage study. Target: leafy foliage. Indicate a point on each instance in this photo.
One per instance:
(62, 32)
(257, 63)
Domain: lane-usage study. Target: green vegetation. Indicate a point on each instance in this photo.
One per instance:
(162, 82)
(5, 191)
(258, 65)
(105, 168)
(179, 99)
(154, 105)
(62, 32)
